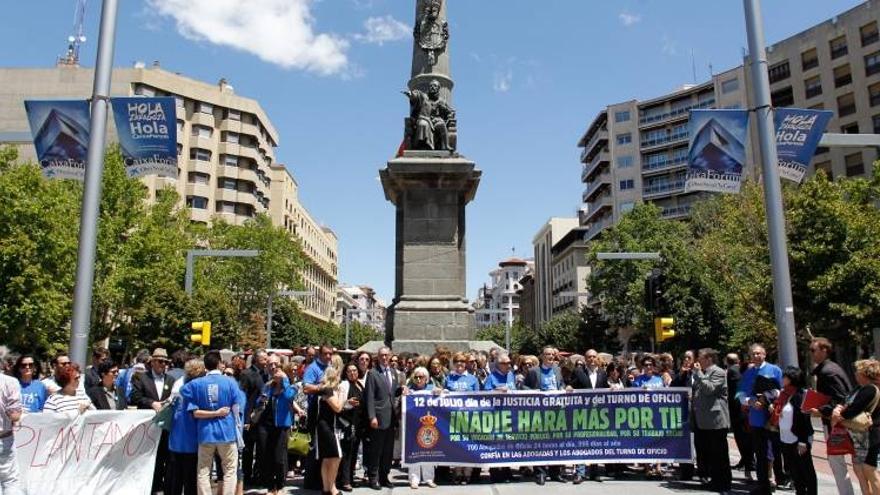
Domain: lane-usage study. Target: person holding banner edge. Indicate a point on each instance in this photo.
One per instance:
(502, 380)
(546, 377)
(590, 377)
(422, 472)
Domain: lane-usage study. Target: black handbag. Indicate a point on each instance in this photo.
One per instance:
(258, 410)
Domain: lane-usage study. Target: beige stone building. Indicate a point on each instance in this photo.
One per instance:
(226, 149)
(548, 236)
(833, 66)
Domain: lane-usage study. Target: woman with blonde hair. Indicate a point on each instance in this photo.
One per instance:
(329, 430)
(864, 399)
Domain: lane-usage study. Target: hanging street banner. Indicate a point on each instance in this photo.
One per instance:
(60, 129)
(99, 452)
(798, 133)
(147, 130)
(717, 152)
(520, 428)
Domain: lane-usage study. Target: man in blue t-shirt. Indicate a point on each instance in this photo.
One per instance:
(312, 388)
(758, 389)
(211, 400)
(501, 378)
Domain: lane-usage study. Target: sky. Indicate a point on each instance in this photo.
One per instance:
(529, 76)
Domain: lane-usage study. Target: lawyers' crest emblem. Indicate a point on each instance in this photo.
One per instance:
(428, 435)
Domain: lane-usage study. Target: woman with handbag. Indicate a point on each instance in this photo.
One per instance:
(329, 430)
(861, 416)
(352, 391)
(796, 431)
(273, 425)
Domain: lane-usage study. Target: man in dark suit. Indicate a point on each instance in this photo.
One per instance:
(151, 390)
(251, 380)
(589, 377)
(104, 395)
(381, 391)
(546, 376)
(737, 419)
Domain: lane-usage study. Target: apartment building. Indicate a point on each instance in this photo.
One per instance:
(833, 66)
(569, 272)
(499, 299)
(553, 231)
(368, 308)
(226, 149)
(637, 151)
(319, 245)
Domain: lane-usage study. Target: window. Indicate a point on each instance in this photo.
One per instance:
(872, 63)
(627, 207)
(729, 86)
(145, 91)
(622, 116)
(179, 126)
(818, 106)
(846, 105)
(850, 128)
(838, 47)
(225, 207)
(625, 161)
(869, 33)
(231, 137)
(809, 59)
(197, 202)
(227, 183)
(202, 131)
(876, 121)
(874, 94)
(200, 154)
(179, 102)
(198, 178)
(627, 184)
(206, 108)
(842, 76)
(825, 167)
(813, 87)
(230, 160)
(854, 165)
(233, 115)
(625, 138)
(779, 72)
(782, 97)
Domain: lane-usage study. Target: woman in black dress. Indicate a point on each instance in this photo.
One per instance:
(329, 429)
(352, 391)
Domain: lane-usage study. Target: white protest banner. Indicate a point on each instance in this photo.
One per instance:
(99, 452)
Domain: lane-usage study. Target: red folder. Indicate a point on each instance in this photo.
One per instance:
(814, 400)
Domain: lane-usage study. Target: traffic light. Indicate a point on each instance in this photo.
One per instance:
(204, 335)
(655, 302)
(663, 328)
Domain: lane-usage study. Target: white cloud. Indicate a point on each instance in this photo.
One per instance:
(380, 30)
(628, 19)
(278, 31)
(503, 81)
(668, 46)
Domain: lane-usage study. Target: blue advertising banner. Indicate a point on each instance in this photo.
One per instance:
(61, 136)
(498, 429)
(147, 129)
(798, 133)
(717, 151)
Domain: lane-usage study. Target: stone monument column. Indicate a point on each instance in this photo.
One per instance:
(430, 184)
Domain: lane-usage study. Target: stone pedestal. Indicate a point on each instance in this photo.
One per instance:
(430, 190)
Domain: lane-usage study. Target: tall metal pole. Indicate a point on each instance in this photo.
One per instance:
(782, 300)
(88, 227)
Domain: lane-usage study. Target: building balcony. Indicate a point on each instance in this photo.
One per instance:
(600, 205)
(200, 215)
(668, 140)
(202, 119)
(596, 186)
(672, 116)
(234, 196)
(198, 189)
(599, 138)
(665, 166)
(240, 150)
(674, 212)
(598, 226)
(205, 167)
(232, 218)
(666, 189)
(599, 162)
(201, 142)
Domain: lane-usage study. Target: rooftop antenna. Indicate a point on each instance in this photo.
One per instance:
(77, 39)
(694, 66)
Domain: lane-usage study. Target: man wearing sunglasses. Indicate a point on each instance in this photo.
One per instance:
(501, 379)
(59, 362)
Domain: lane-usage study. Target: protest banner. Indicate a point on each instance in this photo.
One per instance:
(717, 152)
(798, 133)
(496, 429)
(147, 130)
(99, 452)
(60, 130)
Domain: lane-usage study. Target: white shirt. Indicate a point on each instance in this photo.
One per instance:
(61, 403)
(786, 421)
(594, 375)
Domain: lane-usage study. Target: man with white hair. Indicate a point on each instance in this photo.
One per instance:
(10, 414)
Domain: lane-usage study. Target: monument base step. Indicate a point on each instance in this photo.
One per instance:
(428, 347)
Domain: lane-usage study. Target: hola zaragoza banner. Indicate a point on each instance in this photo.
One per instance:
(798, 133)
(147, 129)
(97, 453)
(717, 153)
(494, 429)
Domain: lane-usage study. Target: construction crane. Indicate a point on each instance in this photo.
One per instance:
(75, 40)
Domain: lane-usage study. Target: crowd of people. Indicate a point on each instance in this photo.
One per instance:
(234, 422)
